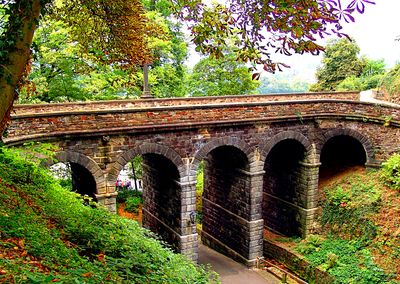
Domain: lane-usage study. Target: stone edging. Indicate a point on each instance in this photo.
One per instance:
(296, 263)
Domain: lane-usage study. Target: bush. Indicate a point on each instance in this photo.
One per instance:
(132, 204)
(347, 261)
(390, 172)
(124, 194)
(60, 240)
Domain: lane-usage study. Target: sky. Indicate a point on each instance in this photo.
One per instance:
(375, 32)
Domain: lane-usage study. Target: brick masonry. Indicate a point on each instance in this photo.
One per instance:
(262, 157)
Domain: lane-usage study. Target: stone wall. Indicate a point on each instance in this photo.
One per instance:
(127, 104)
(296, 263)
(162, 198)
(137, 121)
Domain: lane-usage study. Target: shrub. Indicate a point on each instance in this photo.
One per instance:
(132, 204)
(390, 172)
(124, 194)
(347, 261)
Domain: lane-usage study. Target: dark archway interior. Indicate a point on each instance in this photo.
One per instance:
(82, 180)
(339, 154)
(226, 196)
(161, 197)
(282, 187)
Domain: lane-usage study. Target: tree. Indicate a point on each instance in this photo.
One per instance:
(284, 83)
(61, 72)
(339, 62)
(221, 77)
(116, 31)
(391, 84)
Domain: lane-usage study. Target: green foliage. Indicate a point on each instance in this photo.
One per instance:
(371, 77)
(71, 242)
(221, 77)
(373, 67)
(391, 82)
(339, 62)
(61, 72)
(199, 193)
(133, 204)
(390, 172)
(348, 208)
(347, 261)
(125, 193)
(351, 83)
(281, 83)
(135, 169)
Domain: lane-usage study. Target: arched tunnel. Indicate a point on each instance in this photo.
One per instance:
(282, 187)
(340, 153)
(161, 198)
(226, 198)
(82, 180)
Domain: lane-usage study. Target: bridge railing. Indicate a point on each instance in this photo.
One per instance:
(123, 104)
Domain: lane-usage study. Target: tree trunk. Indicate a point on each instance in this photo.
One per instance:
(21, 25)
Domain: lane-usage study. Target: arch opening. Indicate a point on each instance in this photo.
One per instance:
(226, 199)
(340, 154)
(156, 182)
(283, 189)
(75, 177)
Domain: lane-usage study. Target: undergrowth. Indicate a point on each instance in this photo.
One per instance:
(48, 235)
(348, 261)
(348, 208)
(353, 230)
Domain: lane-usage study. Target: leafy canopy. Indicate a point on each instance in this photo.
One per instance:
(219, 77)
(266, 26)
(339, 62)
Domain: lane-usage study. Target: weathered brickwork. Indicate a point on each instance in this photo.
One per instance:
(127, 104)
(262, 158)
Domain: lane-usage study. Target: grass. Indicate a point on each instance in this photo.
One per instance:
(48, 235)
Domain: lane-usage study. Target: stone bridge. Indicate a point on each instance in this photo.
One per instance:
(263, 156)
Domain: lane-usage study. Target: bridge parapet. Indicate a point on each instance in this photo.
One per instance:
(130, 120)
(148, 103)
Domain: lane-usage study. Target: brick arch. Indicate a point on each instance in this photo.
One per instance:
(218, 142)
(145, 148)
(266, 147)
(86, 162)
(364, 141)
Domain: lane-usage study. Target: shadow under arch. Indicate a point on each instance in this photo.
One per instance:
(145, 148)
(342, 150)
(162, 169)
(285, 183)
(87, 176)
(218, 142)
(227, 197)
(266, 147)
(363, 140)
